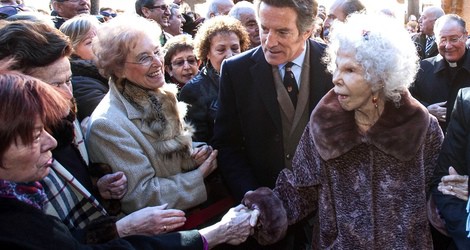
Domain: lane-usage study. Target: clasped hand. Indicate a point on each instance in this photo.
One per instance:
(438, 110)
(454, 184)
(206, 158)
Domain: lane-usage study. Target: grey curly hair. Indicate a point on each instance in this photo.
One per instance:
(384, 49)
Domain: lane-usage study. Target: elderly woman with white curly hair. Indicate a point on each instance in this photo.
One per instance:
(366, 157)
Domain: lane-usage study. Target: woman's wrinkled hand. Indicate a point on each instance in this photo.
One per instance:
(200, 154)
(209, 165)
(151, 221)
(454, 184)
(234, 228)
(238, 222)
(112, 186)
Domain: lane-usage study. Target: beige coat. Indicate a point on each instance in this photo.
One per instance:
(118, 136)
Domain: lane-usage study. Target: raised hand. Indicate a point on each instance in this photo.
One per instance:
(200, 154)
(209, 165)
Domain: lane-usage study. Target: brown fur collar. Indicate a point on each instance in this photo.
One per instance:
(399, 131)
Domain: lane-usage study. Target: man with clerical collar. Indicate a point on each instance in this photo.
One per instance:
(440, 77)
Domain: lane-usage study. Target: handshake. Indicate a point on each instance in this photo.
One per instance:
(261, 215)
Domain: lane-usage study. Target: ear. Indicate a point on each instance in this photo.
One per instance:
(57, 6)
(146, 12)
(120, 73)
(307, 33)
(168, 70)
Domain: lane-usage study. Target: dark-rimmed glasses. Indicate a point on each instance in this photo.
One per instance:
(163, 7)
(72, 1)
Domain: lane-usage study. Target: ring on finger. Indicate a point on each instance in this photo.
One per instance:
(164, 228)
(451, 188)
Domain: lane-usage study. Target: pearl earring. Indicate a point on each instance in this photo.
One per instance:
(374, 101)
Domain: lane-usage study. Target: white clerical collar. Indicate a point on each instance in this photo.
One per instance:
(452, 64)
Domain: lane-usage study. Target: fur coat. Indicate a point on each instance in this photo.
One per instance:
(369, 189)
(142, 133)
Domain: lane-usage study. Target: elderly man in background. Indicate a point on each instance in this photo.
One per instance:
(440, 77)
(176, 21)
(339, 10)
(218, 7)
(66, 9)
(157, 10)
(424, 40)
(244, 11)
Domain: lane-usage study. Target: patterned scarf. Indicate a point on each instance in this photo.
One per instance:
(30, 193)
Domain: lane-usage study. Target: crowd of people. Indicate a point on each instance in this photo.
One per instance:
(266, 124)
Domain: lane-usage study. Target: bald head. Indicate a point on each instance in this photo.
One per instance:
(427, 19)
(342, 8)
(218, 7)
(245, 12)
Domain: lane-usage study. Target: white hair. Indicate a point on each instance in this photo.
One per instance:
(241, 8)
(382, 46)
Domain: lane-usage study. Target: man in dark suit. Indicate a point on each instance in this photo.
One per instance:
(450, 185)
(258, 125)
(424, 40)
(440, 78)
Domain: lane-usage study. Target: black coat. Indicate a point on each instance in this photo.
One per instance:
(25, 227)
(89, 87)
(201, 95)
(455, 152)
(248, 128)
(435, 82)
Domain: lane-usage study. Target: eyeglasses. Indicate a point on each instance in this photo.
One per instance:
(107, 14)
(451, 40)
(72, 1)
(7, 11)
(163, 7)
(180, 62)
(148, 60)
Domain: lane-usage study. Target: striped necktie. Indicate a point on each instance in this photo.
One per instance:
(290, 83)
(429, 42)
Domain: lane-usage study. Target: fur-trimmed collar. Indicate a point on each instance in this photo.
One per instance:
(398, 132)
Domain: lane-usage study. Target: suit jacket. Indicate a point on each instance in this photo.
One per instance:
(248, 130)
(420, 42)
(435, 82)
(455, 153)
